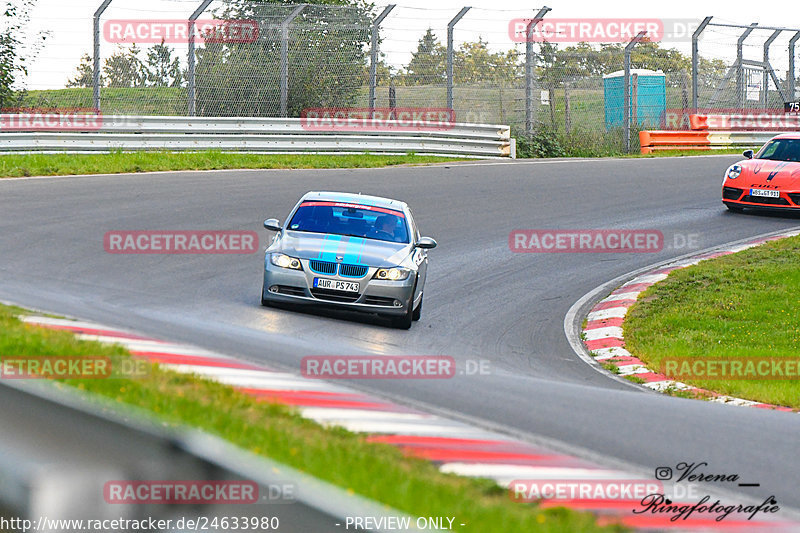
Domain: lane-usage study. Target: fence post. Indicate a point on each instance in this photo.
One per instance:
(684, 100)
(450, 26)
(739, 65)
(767, 68)
(285, 59)
(529, 62)
(635, 98)
(792, 41)
(191, 59)
(626, 94)
(696, 60)
(373, 62)
(567, 110)
(96, 59)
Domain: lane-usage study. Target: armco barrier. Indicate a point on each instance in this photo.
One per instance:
(137, 133)
(706, 135)
(58, 449)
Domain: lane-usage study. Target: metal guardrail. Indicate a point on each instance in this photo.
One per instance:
(57, 451)
(136, 133)
(651, 140)
(717, 131)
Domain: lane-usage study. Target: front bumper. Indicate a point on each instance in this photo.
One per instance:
(741, 197)
(283, 285)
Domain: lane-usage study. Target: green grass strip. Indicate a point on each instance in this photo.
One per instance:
(735, 307)
(23, 165)
(377, 471)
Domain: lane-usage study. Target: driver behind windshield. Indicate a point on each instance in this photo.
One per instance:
(384, 228)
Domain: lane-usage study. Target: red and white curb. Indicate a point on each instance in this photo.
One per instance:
(603, 336)
(455, 447)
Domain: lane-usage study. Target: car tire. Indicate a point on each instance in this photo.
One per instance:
(404, 321)
(264, 302)
(417, 314)
(734, 208)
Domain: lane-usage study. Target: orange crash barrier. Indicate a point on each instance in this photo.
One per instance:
(701, 140)
(673, 140)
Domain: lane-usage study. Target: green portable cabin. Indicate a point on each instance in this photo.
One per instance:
(650, 91)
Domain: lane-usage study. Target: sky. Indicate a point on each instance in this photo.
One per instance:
(69, 24)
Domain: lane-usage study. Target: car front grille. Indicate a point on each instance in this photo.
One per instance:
(352, 271)
(763, 200)
(322, 267)
(731, 193)
(335, 296)
(795, 196)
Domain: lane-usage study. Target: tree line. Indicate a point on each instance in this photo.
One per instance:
(125, 68)
(473, 62)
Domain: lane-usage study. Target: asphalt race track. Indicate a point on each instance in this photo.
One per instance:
(482, 301)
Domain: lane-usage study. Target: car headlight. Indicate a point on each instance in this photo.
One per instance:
(392, 274)
(733, 172)
(284, 261)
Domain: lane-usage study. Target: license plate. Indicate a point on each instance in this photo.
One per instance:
(765, 193)
(336, 285)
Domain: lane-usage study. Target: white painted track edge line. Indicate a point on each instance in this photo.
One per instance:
(574, 316)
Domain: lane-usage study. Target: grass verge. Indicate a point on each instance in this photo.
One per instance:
(377, 471)
(735, 307)
(21, 165)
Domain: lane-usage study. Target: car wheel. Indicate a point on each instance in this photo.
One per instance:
(734, 208)
(404, 321)
(417, 314)
(264, 302)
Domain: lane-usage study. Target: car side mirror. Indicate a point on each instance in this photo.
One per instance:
(748, 154)
(426, 243)
(273, 224)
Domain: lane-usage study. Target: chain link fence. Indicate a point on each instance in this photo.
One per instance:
(749, 66)
(561, 93)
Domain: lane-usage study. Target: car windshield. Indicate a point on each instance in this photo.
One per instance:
(351, 219)
(781, 150)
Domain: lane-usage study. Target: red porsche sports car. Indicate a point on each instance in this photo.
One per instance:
(769, 179)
